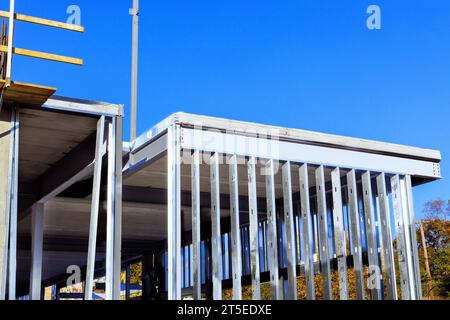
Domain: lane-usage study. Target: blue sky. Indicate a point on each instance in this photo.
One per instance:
(306, 64)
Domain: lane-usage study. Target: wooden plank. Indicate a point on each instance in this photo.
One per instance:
(43, 55)
(27, 93)
(43, 22)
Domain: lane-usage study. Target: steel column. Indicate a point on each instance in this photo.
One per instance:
(118, 121)
(356, 234)
(236, 249)
(13, 215)
(272, 224)
(10, 42)
(95, 203)
(290, 232)
(324, 250)
(195, 175)
(339, 235)
(216, 245)
(307, 239)
(37, 238)
(254, 229)
(398, 204)
(174, 212)
(371, 233)
(387, 250)
(134, 12)
(412, 226)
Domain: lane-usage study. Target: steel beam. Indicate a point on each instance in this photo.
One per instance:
(37, 236)
(236, 249)
(324, 250)
(95, 204)
(290, 232)
(386, 236)
(272, 225)
(355, 226)
(195, 176)
(118, 162)
(174, 212)
(307, 238)
(339, 234)
(376, 284)
(254, 229)
(216, 245)
(134, 12)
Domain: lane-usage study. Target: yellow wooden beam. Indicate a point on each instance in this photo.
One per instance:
(44, 22)
(43, 55)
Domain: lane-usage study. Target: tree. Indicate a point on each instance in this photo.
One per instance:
(437, 239)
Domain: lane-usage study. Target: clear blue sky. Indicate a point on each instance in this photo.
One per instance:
(306, 64)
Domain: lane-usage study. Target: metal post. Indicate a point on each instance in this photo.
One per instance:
(398, 203)
(236, 249)
(387, 250)
(10, 42)
(290, 232)
(195, 175)
(323, 233)
(408, 243)
(307, 239)
(254, 229)
(272, 224)
(412, 226)
(356, 234)
(10, 192)
(339, 235)
(134, 68)
(371, 232)
(109, 263)
(95, 203)
(37, 234)
(174, 213)
(216, 245)
(118, 121)
(13, 215)
(128, 282)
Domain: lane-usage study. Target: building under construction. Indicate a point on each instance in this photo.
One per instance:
(208, 206)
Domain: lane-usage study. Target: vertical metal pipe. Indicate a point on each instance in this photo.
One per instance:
(387, 250)
(412, 226)
(356, 234)
(10, 42)
(401, 239)
(323, 233)
(290, 232)
(236, 249)
(109, 263)
(254, 229)
(272, 224)
(118, 131)
(371, 232)
(95, 203)
(216, 245)
(307, 239)
(134, 12)
(37, 237)
(195, 175)
(13, 215)
(174, 213)
(339, 235)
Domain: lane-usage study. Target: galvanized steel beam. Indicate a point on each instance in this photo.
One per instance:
(216, 245)
(195, 176)
(37, 236)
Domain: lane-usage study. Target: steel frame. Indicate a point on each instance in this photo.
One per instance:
(348, 170)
